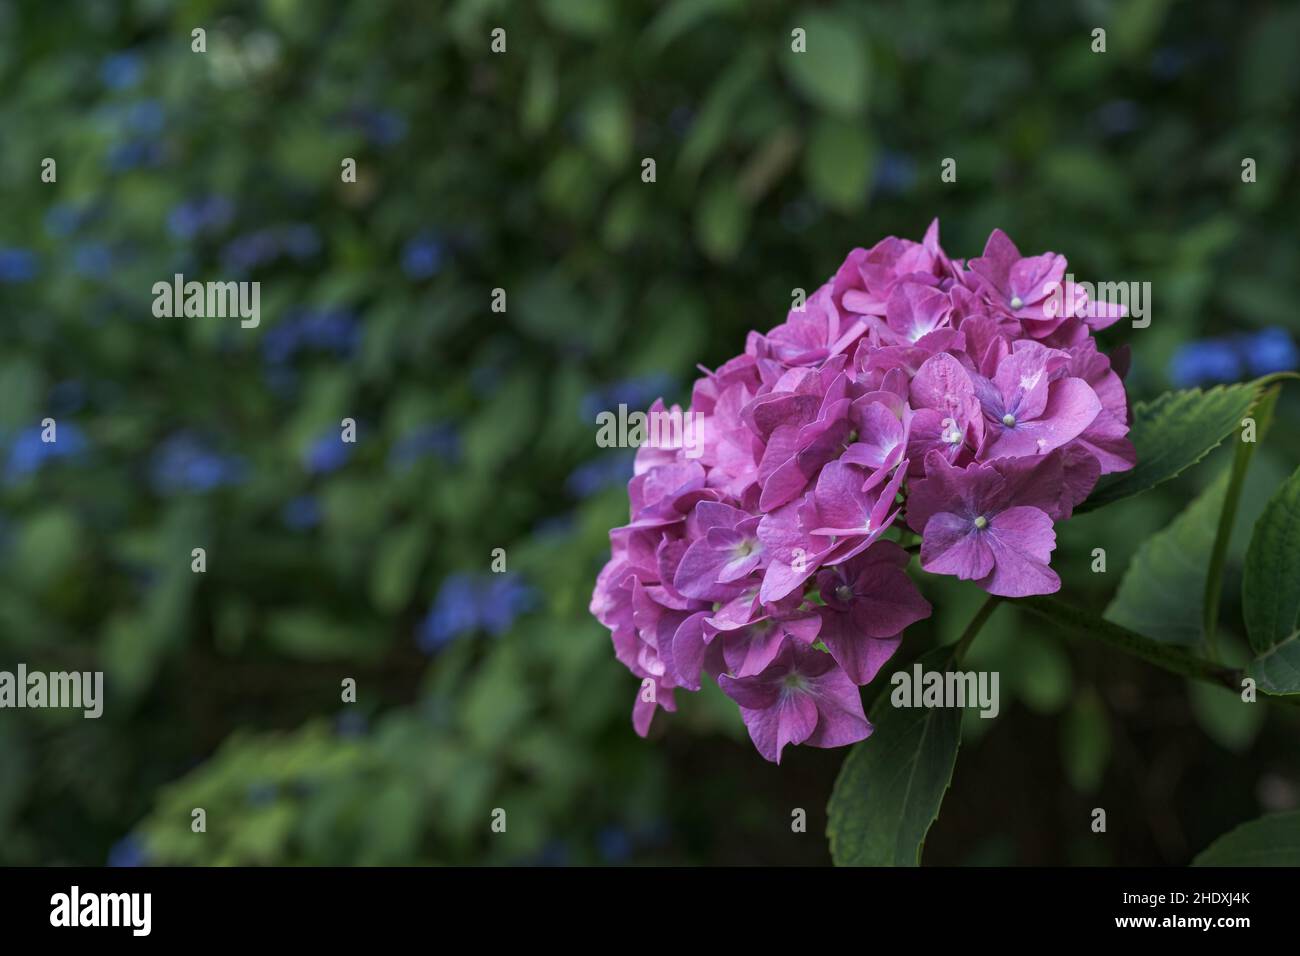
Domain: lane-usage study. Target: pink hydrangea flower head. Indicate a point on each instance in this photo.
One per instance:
(914, 395)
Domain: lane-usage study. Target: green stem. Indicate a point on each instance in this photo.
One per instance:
(1168, 657)
(973, 628)
(1262, 411)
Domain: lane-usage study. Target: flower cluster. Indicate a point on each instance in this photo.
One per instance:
(965, 401)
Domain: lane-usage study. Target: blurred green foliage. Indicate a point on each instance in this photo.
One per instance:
(522, 171)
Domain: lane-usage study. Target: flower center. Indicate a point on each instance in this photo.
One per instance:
(744, 549)
(1016, 302)
(1009, 420)
(844, 593)
(794, 682)
(981, 522)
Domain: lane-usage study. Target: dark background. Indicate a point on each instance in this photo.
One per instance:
(521, 171)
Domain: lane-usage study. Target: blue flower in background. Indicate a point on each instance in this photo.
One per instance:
(351, 723)
(1169, 62)
(29, 452)
(505, 597)
(422, 256)
(64, 218)
(1118, 117)
(485, 378)
(614, 844)
(554, 853)
(381, 127)
(609, 470)
(135, 154)
(261, 793)
(301, 513)
(323, 330)
(895, 173)
(1231, 359)
(199, 216)
(327, 454)
(121, 71)
(468, 603)
(1272, 350)
(145, 117)
(128, 851)
(17, 265)
(184, 463)
(637, 393)
(92, 260)
(66, 397)
(300, 241)
(251, 250)
(440, 440)
(680, 121)
(555, 525)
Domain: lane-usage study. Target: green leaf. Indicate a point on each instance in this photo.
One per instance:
(1169, 566)
(1262, 412)
(1271, 587)
(1278, 671)
(1085, 742)
(833, 71)
(718, 113)
(680, 16)
(537, 107)
(1225, 717)
(1273, 840)
(838, 163)
(891, 784)
(1077, 621)
(721, 221)
(607, 126)
(590, 18)
(1173, 433)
